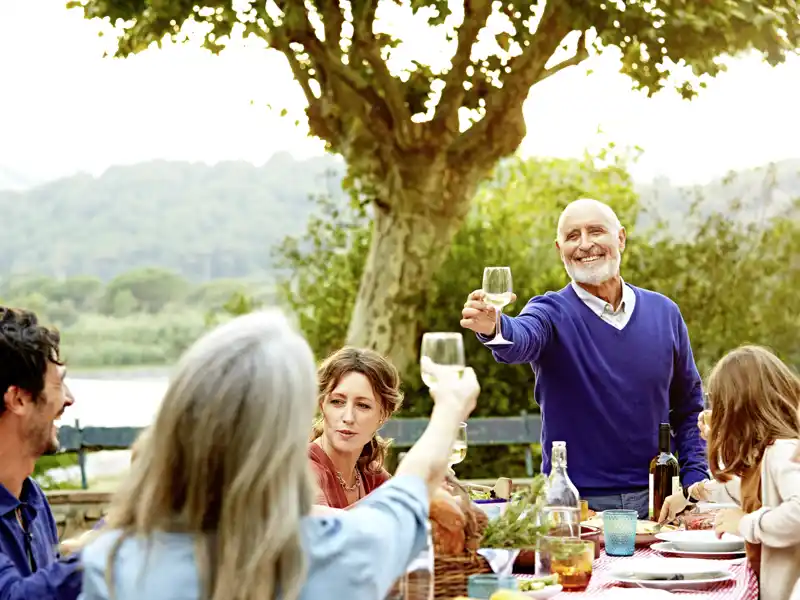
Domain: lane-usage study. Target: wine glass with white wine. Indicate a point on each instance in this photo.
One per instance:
(459, 452)
(498, 287)
(441, 357)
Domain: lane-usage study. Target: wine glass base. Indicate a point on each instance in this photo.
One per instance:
(498, 342)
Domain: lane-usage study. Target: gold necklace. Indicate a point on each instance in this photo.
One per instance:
(352, 488)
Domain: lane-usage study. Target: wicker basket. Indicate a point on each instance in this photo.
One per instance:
(451, 573)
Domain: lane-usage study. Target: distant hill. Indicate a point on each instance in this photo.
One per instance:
(206, 222)
(761, 193)
(222, 221)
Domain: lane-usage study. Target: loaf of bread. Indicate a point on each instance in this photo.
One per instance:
(458, 524)
(476, 525)
(448, 523)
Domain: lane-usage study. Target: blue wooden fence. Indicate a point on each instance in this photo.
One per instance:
(524, 430)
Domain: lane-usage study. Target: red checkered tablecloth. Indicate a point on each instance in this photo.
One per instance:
(744, 587)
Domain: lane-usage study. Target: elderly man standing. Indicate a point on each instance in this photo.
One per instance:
(612, 361)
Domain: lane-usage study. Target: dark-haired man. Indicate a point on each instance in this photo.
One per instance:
(34, 397)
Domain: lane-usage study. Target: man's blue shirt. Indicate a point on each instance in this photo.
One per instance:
(30, 566)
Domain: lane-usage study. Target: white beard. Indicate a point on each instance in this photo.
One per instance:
(594, 273)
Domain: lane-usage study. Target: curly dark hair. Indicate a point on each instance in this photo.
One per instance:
(26, 347)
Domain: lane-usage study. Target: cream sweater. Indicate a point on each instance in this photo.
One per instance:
(776, 526)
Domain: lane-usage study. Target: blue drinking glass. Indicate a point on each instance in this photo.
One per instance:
(481, 587)
(619, 531)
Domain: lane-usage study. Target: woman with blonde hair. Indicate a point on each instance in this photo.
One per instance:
(752, 441)
(218, 503)
(359, 390)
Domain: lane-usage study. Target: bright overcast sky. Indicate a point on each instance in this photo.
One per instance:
(63, 108)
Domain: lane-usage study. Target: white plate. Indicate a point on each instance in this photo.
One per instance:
(691, 584)
(670, 550)
(546, 592)
(667, 569)
(702, 541)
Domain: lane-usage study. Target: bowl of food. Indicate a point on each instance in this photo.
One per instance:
(646, 532)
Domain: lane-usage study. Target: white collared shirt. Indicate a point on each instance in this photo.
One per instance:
(617, 318)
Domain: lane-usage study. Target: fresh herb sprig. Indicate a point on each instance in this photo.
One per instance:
(519, 526)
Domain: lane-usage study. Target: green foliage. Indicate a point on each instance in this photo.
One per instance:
(238, 304)
(322, 271)
(735, 282)
(146, 317)
(654, 38)
(217, 292)
(733, 279)
(138, 339)
(55, 461)
(510, 530)
(150, 289)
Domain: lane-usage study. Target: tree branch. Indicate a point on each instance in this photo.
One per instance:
(502, 127)
(349, 115)
(280, 42)
(333, 20)
(323, 127)
(580, 55)
(365, 46)
(445, 120)
(339, 82)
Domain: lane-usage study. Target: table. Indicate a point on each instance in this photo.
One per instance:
(744, 587)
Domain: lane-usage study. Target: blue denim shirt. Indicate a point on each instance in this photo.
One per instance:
(30, 567)
(357, 554)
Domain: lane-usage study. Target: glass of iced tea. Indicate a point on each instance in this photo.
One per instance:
(572, 560)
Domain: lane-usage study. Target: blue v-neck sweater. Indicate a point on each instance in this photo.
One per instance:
(604, 391)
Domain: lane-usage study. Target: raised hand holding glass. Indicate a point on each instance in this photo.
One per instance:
(498, 287)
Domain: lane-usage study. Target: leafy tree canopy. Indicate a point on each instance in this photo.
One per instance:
(341, 52)
(419, 136)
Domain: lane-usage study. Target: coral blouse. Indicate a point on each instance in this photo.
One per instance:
(331, 492)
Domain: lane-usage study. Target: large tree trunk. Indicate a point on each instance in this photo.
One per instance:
(409, 244)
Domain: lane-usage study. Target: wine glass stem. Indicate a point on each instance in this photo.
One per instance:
(497, 332)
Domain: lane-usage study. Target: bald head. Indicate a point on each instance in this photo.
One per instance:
(580, 212)
(590, 240)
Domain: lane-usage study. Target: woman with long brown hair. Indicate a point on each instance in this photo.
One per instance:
(359, 390)
(218, 502)
(752, 441)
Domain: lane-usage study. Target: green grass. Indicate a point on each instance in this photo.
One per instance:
(55, 461)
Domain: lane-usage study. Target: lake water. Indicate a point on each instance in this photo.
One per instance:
(114, 402)
(110, 403)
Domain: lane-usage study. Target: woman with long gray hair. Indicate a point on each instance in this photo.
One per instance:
(218, 503)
